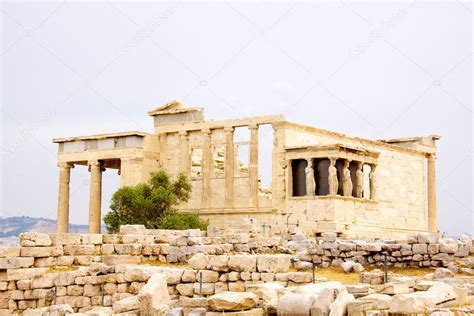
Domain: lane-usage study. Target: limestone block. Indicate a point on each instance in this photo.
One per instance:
(128, 249)
(351, 266)
(92, 290)
(246, 276)
(300, 277)
(79, 250)
(53, 310)
(207, 276)
(23, 285)
(232, 301)
(94, 239)
(420, 248)
(15, 263)
(43, 281)
(347, 246)
(420, 302)
(238, 238)
(267, 293)
(295, 304)
(206, 288)
(393, 288)
(433, 249)
(219, 263)
(111, 239)
(198, 262)
(154, 298)
(120, 259)
(221, 287)
(442, 273)
(185, 289)
(374, 301)
(339, 306)
(27, 273)
(250, 312)
(188, 276)
(75, 290)
(178, 311)
(463, 250)
(133, 230)
(33, 239)
(41, 251)
(238, 286)
(9, 252)
(240, 263)
(273, 263)
(127, 304)
(450, 248)
(66, 239)
(428, 238)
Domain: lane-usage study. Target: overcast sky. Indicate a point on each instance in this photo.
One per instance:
(366, 69)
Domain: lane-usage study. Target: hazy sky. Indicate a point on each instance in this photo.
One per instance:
(366, 69)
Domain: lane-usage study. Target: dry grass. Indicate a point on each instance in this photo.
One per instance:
(57, 269)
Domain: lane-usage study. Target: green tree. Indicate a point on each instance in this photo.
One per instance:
(183, 221)
(147, 203)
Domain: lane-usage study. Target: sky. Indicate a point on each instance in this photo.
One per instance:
(364, 68)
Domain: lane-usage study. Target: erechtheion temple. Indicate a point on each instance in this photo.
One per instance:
(320, 180)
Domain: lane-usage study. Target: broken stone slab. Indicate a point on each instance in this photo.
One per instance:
(178, 311)
(351, 266)
(126, 305)
(374, 301)
(300, 277)
(295, 304)
(9, 252)
(267, 293)
(442, 273)
(251, 312)
(219, 263)
(24, 274)
(274, 263)
(322, 303)
(153, 296)
(133, 229)
(59, 310)
(392, 288)
(339, 306)
(232, 301)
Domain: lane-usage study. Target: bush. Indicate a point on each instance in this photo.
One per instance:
(147, 203)
(183, 221)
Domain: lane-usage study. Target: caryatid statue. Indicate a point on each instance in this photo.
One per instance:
(332, 177)
(310, 183)
(373, 181)
(360, 180)
(346, 180)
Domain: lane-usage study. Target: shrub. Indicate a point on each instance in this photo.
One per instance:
(147, 203)
(182, 221)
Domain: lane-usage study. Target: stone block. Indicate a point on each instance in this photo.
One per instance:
(185, 289)
(15, 263)
(43, 281)
(127, 304)
(94, 239)
(240, 263)
(153, 296)
(33, 239)
(204, 288)
(207, 276)
(232, 301)
(133, 230)
(79, 250)
(120, 259)
(9, 252)
(273, 263)
(27, 273)
(421, 248)
(219, 263)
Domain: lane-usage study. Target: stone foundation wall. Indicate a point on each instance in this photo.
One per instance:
(101, 269)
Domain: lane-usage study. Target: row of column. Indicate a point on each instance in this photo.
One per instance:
(347, 185)
(95, 197)
(229, 165)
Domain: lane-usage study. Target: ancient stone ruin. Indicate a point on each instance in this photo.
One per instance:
(233, 272)
(321, 180)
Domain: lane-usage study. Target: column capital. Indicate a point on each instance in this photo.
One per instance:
(253, 126)
(183, 133)
(431, 156)
(206, 131)
(94, 163)
(65, 165)
(229, 129)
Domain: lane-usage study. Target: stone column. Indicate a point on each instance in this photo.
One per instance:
(373, 182)
(253, 166)
(289, 177)
(229, 168)
(95, 199)
(432, 220)
(185, 159)
(63, 197)
(310, 183)
(206, 165)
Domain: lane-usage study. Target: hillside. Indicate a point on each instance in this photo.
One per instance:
(13, 226)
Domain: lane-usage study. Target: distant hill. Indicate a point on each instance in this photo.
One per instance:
(14, 226)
